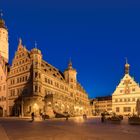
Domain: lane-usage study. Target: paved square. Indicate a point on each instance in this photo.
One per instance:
(74, 129)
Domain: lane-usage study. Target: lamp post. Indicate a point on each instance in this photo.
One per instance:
(22, 112)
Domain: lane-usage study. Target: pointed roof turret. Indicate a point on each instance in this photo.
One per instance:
(20, 44)
(35, 50)
(20, 41)
(2, 22)
(127, 67)
(70, 64)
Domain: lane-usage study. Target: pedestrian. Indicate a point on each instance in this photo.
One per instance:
(102, 117)
(67, 117)
(85, 116)
(44, 116)
(32, 116)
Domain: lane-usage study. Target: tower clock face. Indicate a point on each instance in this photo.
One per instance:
(127, 88)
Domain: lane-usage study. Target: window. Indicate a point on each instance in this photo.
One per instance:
(128, 99)
(36, 74)
(133, 89)
(71, 94)
(116, 100)
(39, 89)
(133, 99)
(4, 87)
(71, 86)
(46, 80)
(26, 78)
(127, 109)
(22, 79)
(29, 109)
(36, 88)
(51, 82)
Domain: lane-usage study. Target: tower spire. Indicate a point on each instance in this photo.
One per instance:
(20, 41)
(2, 22)
(70, 64)
(35, 44)
(127, 67)
(1, 14)
(126, 60)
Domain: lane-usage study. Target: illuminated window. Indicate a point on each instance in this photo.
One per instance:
(127, 109)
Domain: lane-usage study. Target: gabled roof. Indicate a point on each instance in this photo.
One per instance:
(131, 81)
(52, 70)
(126, 85)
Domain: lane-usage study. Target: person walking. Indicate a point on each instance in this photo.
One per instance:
(32, 116)
(102, 117)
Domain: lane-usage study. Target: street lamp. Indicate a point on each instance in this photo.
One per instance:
(22, 112)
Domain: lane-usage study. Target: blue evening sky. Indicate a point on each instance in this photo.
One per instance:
(96, 34)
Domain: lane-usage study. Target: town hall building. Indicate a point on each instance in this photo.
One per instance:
(31, 84)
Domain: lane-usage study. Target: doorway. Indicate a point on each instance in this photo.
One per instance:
(1, 112)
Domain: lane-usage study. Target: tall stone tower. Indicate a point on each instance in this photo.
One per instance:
(71, 75)
(36, 99)
(36, 59)
(4, 45)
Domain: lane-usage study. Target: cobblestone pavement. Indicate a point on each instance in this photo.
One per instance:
(73, 129)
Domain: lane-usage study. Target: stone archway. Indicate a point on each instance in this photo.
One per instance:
(1, 112)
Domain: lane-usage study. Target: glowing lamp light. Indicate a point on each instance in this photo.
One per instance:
(35, 106)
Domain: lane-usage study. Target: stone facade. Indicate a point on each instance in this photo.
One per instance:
(125, 99)
(39, 87)
(101, 105)
(33, 85)
(126, 95)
